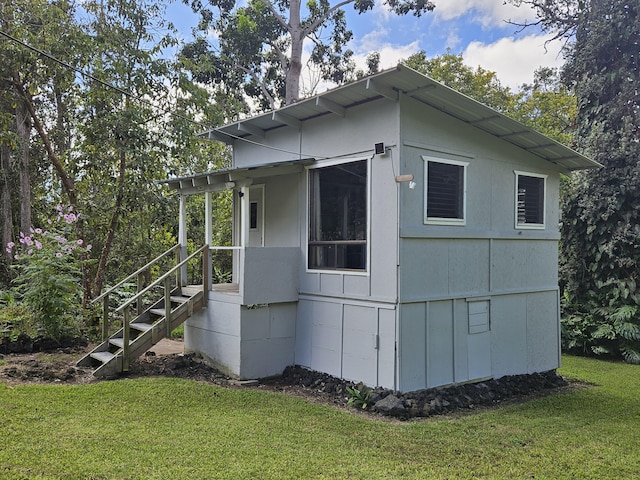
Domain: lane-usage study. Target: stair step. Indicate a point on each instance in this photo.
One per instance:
(179, 299)
(142, 327)
(191, 290)
(118, 342)
(159, 311)
(103, 357)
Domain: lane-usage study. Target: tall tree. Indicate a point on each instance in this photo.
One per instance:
(601, 213)
(26, 81)
(259, 47)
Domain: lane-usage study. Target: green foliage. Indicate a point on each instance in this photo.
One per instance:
(480, 84)
(545, 105)
(600, 251)
(178, 332)
(359, 396)
(259, 50)
(48, 281)
(604, 331)
(17, 320)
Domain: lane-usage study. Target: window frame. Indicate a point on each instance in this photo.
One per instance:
(443, 220)
(333, 163)
(530, 226)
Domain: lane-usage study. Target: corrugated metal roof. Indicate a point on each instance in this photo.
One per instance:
(421, 88)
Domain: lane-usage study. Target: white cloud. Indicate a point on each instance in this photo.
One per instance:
(390, 55)
(488, 13)
(514, 60)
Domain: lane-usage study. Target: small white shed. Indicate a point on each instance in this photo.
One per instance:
(390, 231)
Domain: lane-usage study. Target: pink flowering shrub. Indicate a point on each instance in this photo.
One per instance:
(49, 275)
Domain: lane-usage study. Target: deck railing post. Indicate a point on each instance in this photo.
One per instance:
(105, 317)
(140, 286)
(179, 270)
(206, 273)
(167, 305)
(125, 341)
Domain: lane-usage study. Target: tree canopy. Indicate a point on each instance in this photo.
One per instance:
(601, 211)
(545, 104)
(259, 50)
(103, 116)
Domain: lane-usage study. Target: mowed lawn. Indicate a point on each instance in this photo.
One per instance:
(158, 428)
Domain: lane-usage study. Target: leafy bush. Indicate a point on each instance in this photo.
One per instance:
(604, 331)
(49, 276)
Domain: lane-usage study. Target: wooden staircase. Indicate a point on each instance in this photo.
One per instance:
(150, 325)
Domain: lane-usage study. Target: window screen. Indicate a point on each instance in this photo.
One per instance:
(338, 217)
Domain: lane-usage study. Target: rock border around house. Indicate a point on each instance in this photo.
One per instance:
(433, 401)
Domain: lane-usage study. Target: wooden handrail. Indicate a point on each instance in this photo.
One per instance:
(161, 279)
(136, 273)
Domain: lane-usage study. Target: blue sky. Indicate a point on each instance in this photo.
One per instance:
(477, 29)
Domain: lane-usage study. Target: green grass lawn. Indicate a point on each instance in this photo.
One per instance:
(158, 428)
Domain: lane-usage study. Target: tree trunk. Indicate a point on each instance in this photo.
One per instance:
(23, 128)
(67, 182)
(5, 198)
(292, 81)
(113, 223)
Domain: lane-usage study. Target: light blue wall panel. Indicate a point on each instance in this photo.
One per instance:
(359, 344)
(387, 348)
(524, 265)
(425, 268)
(509, 335)
(332, 283)
(479, 339)
(358, 131)
(215, 332)
(255, 323)
(440, 343)
(460, 327)
(468, 266)
(543, 350)
(308, 282)
(412, 348)
(266, 358)
(326, 338)
(304, 330)
(282, 210)
(356, 286)
(282, 320)
(384, 226)
(286, 139)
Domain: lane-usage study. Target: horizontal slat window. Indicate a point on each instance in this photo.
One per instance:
(445, 192)
(530, 200)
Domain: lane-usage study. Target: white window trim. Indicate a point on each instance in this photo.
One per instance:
(445, 221)
(331, 163)
(530, 226)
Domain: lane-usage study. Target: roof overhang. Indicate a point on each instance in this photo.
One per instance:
(391, 84)
(229, 178)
